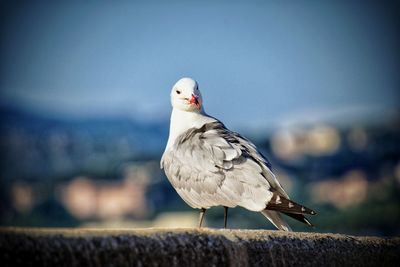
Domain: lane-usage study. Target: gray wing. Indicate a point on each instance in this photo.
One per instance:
(212, 166)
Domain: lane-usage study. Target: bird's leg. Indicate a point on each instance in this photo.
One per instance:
(202, 212)
(225, 216)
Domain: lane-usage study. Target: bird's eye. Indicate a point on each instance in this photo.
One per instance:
(178, 92)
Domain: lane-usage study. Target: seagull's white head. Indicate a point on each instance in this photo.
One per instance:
(186, 96)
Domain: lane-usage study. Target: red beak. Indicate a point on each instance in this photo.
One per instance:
(195, 100)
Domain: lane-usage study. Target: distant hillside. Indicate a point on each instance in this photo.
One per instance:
(40, 145)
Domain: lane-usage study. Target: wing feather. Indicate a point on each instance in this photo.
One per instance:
(212, 166)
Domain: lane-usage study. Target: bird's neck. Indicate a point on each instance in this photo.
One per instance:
(181, 121)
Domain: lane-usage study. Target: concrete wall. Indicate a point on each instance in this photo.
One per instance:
(191, 247)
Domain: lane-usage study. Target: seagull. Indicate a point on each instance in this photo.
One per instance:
(209, 165)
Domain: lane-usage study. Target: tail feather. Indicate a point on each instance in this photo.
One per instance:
(276, 219)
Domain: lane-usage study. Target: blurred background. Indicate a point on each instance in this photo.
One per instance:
(84, 105)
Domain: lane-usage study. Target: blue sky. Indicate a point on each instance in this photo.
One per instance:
(257, 62)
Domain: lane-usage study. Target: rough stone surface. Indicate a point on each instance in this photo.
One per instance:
(191, 247)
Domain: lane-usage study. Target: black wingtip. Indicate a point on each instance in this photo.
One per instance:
(300, 218)
(282, 204)
(313, 212)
